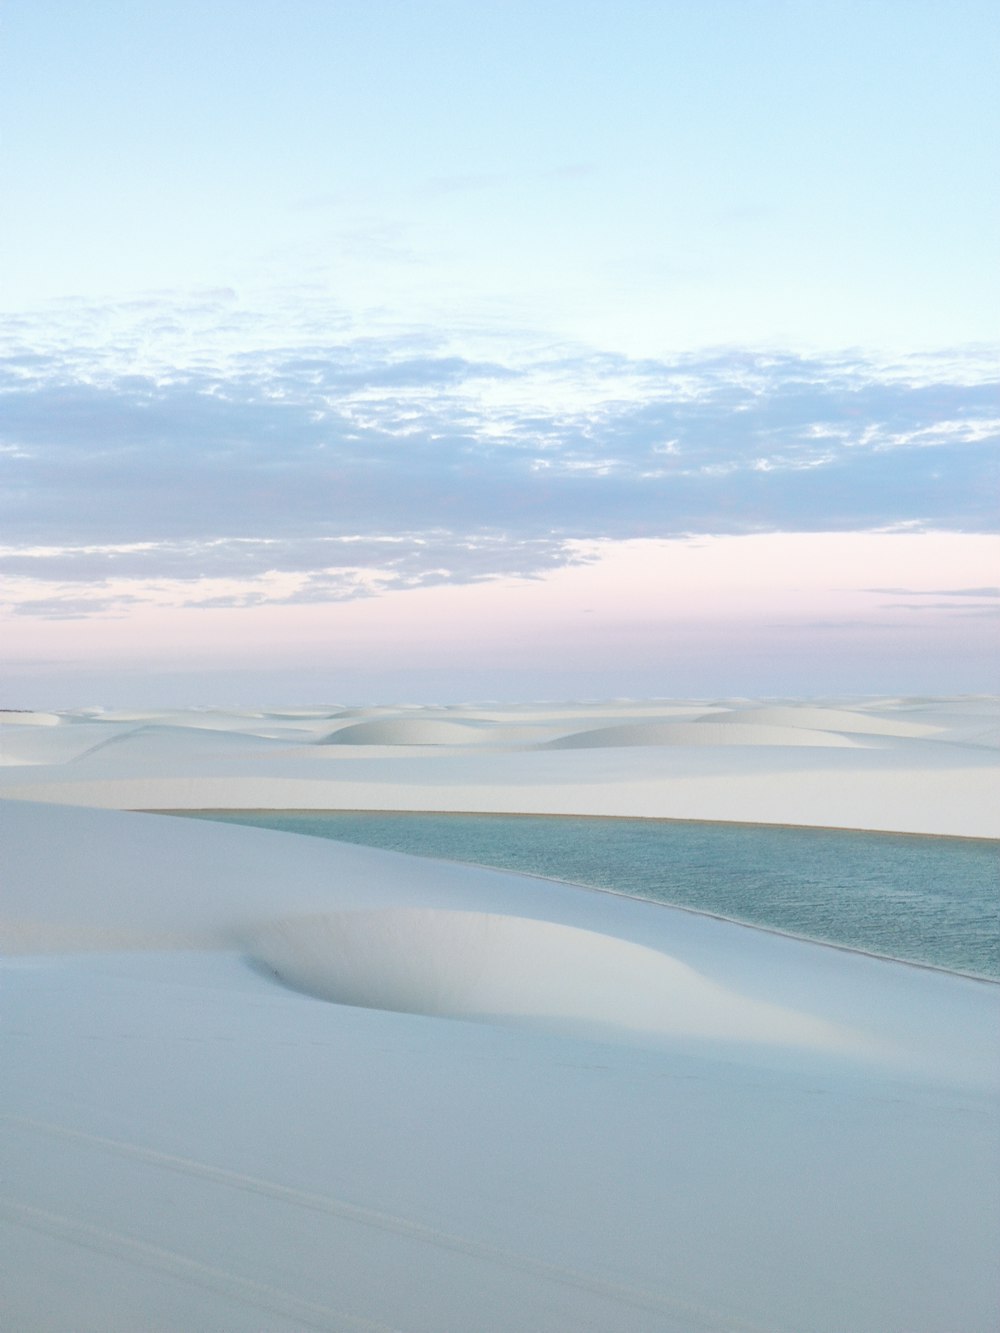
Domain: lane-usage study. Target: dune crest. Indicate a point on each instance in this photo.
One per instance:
(708, 732)
(825, 719)
(405, 731)
(490, 965)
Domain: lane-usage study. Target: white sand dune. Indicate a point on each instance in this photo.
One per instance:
(406, 731)
(707, 732)
(329, 915)
(24, 718)
(826, 719)
(988, 737)
(56, 744)
(260, 1081)
(648, 760)
(915, 787)
(437, 731)
(490, 965)
(155, 740)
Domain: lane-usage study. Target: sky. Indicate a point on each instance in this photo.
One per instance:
(376, 351)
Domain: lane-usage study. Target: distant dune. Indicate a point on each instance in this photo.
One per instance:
(707, 732)
(828, 719)
(406, 731)
(926, 766)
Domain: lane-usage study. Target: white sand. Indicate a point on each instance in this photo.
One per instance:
(258, 1081)
(922, 766)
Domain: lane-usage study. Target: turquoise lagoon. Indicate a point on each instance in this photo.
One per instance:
(928, 900)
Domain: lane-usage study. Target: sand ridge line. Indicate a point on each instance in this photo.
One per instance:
(248, 1291)
(710, 1321)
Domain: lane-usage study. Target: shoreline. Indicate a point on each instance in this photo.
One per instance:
(559, 814)
(600, 888)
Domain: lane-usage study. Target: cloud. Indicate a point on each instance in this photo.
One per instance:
(397, 455)
(58, 607)
(976, 610)
(975, 602)
(808, 626)
(990, 591)
(252, 573)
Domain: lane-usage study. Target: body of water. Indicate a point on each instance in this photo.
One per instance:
(924, 900)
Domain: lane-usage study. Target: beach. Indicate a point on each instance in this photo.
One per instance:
(256, 1080)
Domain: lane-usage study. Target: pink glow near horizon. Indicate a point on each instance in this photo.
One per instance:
(683, 606)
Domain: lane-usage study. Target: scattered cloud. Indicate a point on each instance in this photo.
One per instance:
(939, 592)
(981, 609)
(808, 626)
(353, 464)
(59, 607)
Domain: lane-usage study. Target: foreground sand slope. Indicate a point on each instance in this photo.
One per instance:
(930, 766)
(259, 1081)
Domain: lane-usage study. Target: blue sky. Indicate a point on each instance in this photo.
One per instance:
(322, 304)
(816, 174)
